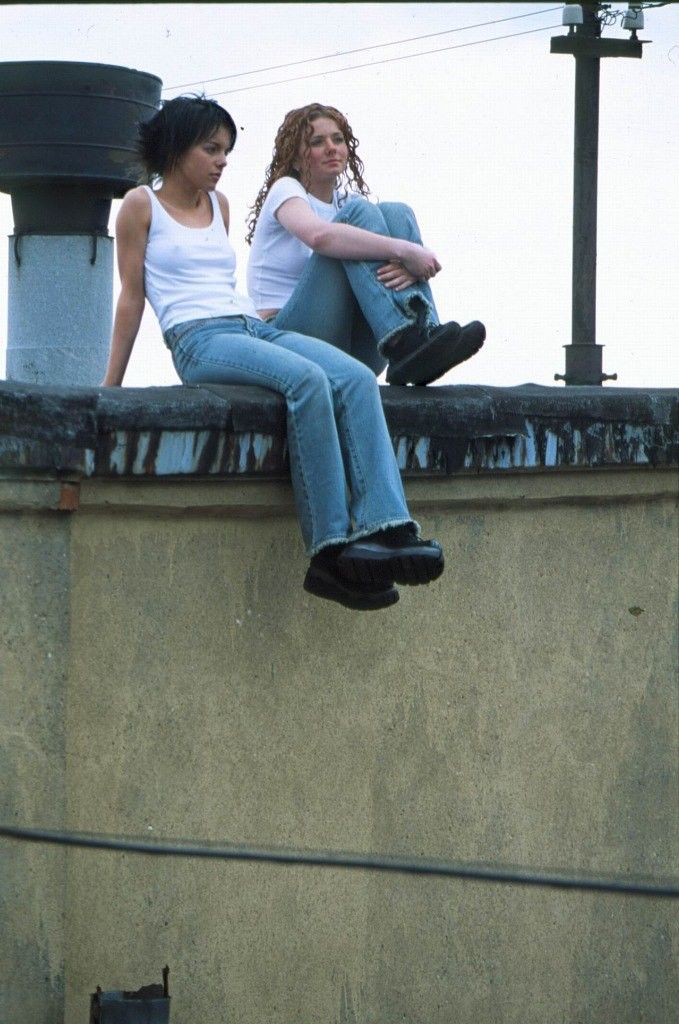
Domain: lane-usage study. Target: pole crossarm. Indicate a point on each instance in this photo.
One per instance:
(581, 46)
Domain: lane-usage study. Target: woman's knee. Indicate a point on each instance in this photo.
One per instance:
(361, 213)
(357, 376)
(395, 219)
(311, 381)
(402, 209)
(400, 220)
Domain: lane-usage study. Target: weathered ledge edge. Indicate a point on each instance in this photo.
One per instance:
(222, 431)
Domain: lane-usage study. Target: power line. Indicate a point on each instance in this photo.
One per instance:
(388, 60)
(360, 49)
(639, 886)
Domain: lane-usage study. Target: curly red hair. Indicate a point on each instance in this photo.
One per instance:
(297, 128)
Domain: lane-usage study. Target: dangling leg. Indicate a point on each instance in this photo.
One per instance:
(385, 540)
(242, 350)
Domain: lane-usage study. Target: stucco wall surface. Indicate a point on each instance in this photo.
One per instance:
(34, 653)
(522, 709)
(163, 673)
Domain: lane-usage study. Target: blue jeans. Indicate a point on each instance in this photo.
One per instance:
(344, 473)
(344, 303)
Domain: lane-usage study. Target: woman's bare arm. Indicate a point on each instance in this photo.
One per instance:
(132, 229)
(344, 241)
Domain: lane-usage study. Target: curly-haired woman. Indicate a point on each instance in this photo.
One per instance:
(173, 248)
(327, 262)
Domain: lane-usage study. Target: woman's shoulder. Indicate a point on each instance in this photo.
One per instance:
(136, 205)
(138, 200)
(138, 196)
(284, 188)
(223, 205)
(222, 201)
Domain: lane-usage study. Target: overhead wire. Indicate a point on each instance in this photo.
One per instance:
(388, 60)
(360, 49)
(507, 874)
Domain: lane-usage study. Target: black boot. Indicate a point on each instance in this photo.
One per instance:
(324, 579)
(422, 354)
(396, 553)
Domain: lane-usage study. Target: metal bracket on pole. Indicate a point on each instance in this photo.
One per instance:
(583, 365)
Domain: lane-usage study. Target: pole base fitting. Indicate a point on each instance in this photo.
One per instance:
(584, 365)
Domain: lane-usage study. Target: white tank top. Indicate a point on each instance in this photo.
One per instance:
(190, 273)
(277, 257)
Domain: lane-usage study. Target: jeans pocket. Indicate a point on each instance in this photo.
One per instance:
(177, 361)
(173, 335)
(179, 343)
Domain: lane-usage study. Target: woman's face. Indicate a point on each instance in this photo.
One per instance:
(323, 158)
(202, 165)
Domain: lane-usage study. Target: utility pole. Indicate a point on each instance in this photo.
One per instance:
(584, 42)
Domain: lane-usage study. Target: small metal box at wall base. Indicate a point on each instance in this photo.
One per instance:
(149, 1005)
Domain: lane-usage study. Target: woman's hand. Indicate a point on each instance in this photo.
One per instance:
(421, 263)
(394, 275)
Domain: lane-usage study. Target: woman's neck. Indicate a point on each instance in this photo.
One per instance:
(324, 193)
(179, 195)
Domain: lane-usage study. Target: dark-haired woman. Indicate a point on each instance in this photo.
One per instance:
(327, 262)
(173, 249)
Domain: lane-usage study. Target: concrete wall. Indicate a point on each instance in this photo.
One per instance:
(522, 709)
(34, 659)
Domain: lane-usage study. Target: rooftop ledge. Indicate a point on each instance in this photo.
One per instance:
(223, 431)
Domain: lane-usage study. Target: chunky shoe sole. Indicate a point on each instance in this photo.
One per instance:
(324, 584)
(370, 563)
(437, 355)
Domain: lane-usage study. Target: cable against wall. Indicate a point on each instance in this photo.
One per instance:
(511, 874)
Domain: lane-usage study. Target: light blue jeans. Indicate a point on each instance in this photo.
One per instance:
(344, 473)
(344, 303)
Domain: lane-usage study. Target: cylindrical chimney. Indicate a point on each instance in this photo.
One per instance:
(67, 133)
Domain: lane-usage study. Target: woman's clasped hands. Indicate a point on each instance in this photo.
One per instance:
(421, 265)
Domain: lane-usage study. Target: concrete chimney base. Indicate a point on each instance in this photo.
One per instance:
(59, 308)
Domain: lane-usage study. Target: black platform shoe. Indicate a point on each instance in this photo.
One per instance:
(396, 554)
(421, 355)
(325, 579)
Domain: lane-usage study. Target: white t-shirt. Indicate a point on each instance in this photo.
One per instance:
(278, 258)
(190, 273)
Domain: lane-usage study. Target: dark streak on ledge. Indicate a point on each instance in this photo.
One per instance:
(220, 431)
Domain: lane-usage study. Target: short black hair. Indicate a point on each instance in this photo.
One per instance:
(179, 124)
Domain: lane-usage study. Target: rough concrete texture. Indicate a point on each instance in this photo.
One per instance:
(34, 652)
(522, 709)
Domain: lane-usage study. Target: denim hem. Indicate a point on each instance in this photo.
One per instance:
(325, 544)
(385, 524)
(429, 320)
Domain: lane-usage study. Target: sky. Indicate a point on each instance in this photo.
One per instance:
(477, 138)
